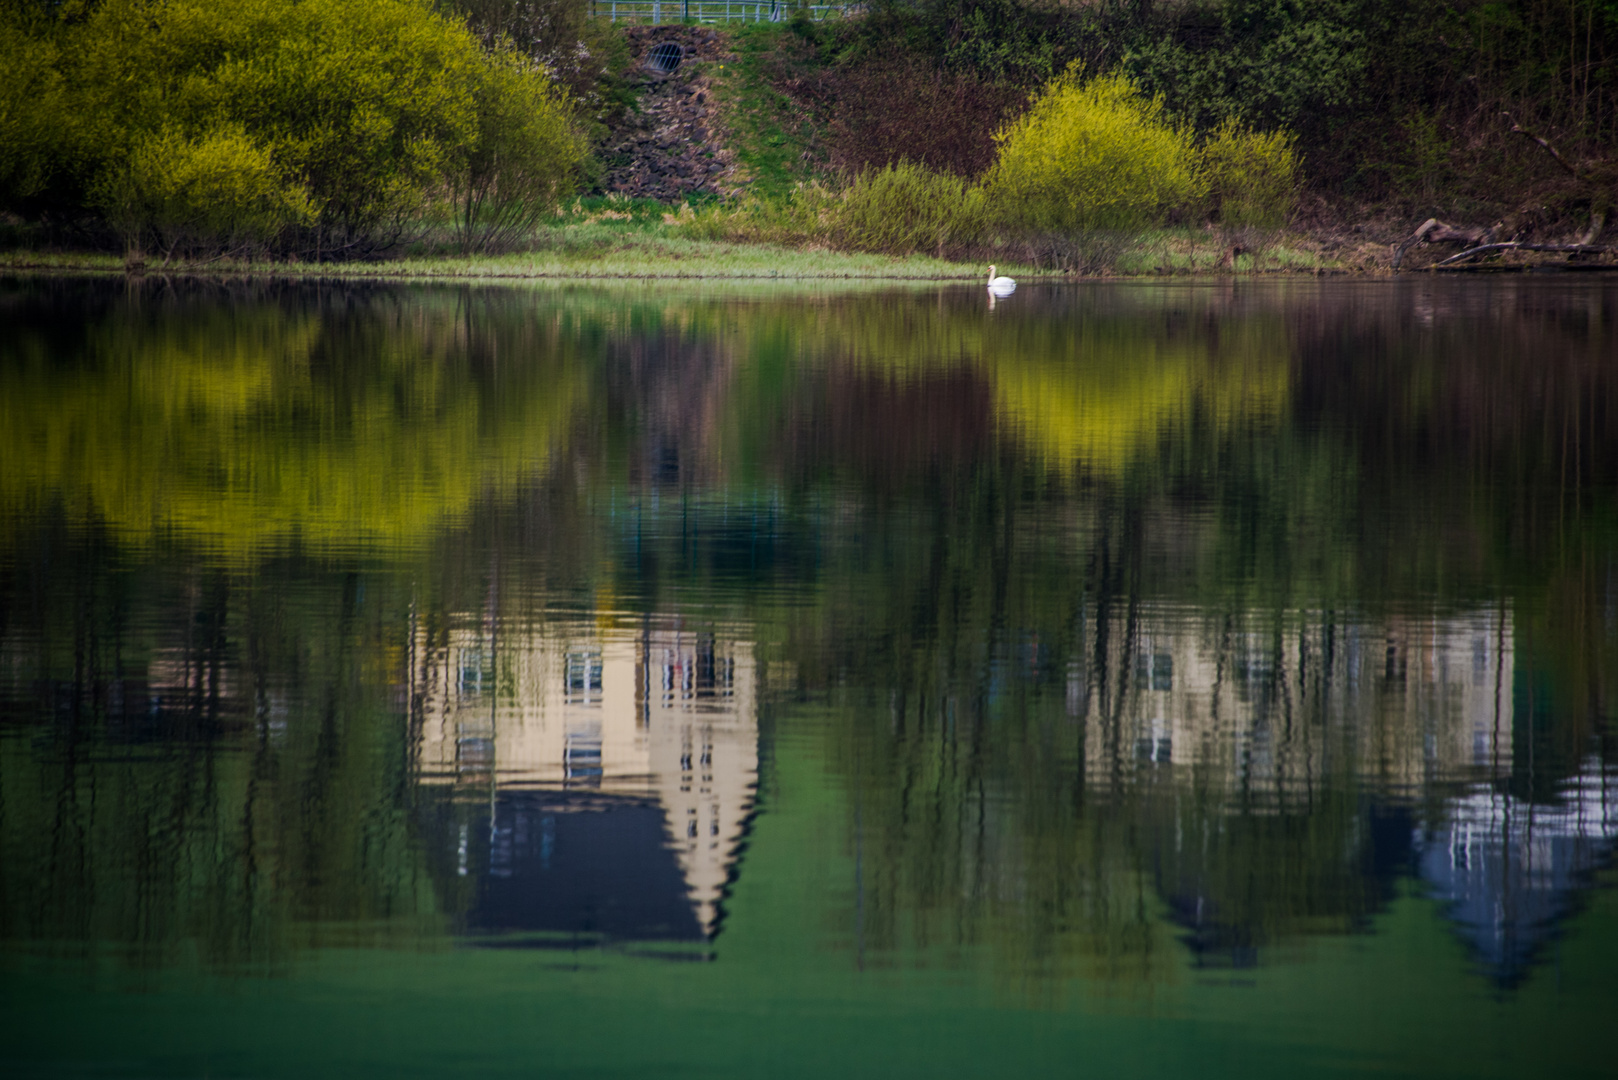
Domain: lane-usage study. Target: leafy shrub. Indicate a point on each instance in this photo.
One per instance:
(897, 210)
(526, 156)
(1251, 176)
(585, 56)
(340, 120)
(31, 107)
(1270, 62)
(905, 208)
(1002, 40)
(219, 188)
(1091, 154)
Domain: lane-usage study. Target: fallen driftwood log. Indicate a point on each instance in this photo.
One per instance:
(1519, 245)
(1433, 231)
(1597, 178)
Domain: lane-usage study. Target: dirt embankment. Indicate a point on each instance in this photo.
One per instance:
(673, 145)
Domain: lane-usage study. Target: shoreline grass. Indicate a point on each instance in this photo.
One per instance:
(614, 238)
(591, 253)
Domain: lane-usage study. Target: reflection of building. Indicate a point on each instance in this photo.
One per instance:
(572, 719)
(1509, 870)
(1401, 702)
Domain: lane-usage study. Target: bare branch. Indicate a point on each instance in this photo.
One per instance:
(1518, 245)
(1560, 160)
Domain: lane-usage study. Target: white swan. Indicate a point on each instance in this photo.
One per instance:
(1001, 286)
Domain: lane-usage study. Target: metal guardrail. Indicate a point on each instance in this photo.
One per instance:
(710, 11)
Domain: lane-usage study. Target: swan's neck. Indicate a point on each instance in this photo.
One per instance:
(991, 273)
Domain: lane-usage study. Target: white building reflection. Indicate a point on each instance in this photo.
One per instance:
(1417, 711)
(1272, 707)
(604, 716)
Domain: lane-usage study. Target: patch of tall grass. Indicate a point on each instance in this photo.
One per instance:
(899, 209)
(905, 208)
(800, 217)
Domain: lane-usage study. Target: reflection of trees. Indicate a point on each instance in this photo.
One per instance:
(271, 413)
(956, 529)
(954, 582)
(203, 768)
(1488, 461)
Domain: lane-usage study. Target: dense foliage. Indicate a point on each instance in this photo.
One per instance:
(587, 57)
(320, 127)
(1408, 104)
(1091, 154)
(1090, 164)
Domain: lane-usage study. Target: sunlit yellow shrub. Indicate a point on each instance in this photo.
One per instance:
(1251, 176)
(904, 208)
(526, 157)
(193, 118)
(896, 210)
(1091, 154)
(220, 188)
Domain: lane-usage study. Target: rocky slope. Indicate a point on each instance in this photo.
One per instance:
(672, 146)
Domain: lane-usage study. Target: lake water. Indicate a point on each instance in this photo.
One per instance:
(1131, 679)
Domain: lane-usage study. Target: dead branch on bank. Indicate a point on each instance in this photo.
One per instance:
(1596, 178)
(1433, 231)
(1521, 245)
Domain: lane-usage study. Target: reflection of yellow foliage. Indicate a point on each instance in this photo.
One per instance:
(1086, 385)
(252, 426)
(1105, 393)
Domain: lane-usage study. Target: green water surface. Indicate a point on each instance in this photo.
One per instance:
(1123, 680)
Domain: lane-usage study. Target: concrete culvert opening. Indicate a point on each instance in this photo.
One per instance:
(666, 57)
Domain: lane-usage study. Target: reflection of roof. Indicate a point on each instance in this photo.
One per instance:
(1220, 937)
(1508, 871)
(562, 864)
(661, 717)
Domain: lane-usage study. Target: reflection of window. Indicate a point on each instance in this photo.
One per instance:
(582, 678)
(472, 671)
(1162, 671)
(1158, 751)
(474, 754)
(581, 756)
(1253, 673)
(1155, 671)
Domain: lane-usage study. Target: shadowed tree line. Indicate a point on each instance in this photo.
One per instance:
(1408, 103)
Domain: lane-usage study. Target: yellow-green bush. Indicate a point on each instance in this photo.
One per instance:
(526, 157)
(31, 107)
(904, 208)
(1091, 154)
(1250, 176)
(220, 189)
(367, 109)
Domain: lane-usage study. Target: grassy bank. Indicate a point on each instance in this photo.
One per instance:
(673, 257)
(613, 238)
(653, 257)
